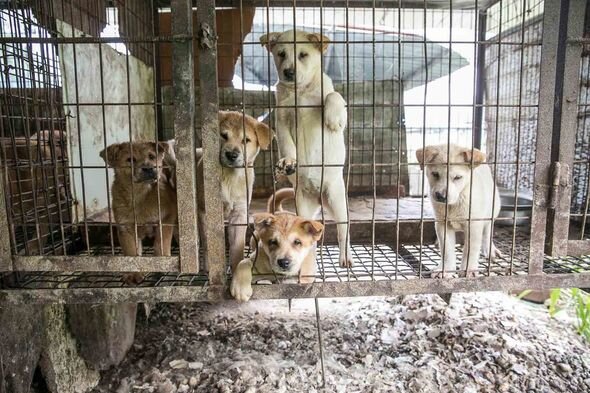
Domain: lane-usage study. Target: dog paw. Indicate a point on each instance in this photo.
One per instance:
(345, 261)
(468, 273)
(439, 273)
(335, 115)
(133, 278)
(285, 167)
(242, 292)
(335, 122)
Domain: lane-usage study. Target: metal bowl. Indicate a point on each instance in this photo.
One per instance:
(524, 208)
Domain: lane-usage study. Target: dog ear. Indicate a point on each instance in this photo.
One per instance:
(314, 228)
(264, 135)
(320, 41)
(111, 153)
(473, 156)
(269, 40)
(426, 155)
(163, 148)
(263, 220)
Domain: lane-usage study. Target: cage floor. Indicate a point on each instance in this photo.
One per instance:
(372, 263)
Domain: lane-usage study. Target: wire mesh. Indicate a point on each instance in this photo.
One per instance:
(103, 73)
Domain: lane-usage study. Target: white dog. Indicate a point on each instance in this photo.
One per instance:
(302, 83)
(462, 185)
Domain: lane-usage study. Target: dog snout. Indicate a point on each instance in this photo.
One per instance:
(284, 263)
(148, 171)
(231, 155)
(289, 74)
(440, 197)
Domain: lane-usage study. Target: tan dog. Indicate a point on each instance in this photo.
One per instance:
(139, 179)
(313, 134)
(242, 138)
(462, 189)
(284, 244)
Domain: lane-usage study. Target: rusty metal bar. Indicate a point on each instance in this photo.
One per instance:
(104, 263)
(5, 252)
(545, 119)
(204, 292)
(565, 122)
(184, 129)
(214, 238)
(479, 79)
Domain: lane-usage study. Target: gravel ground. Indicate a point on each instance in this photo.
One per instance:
(485, 342)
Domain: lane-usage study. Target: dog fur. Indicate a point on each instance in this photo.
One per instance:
(467, 202)
(242, 138)
(311, 142)
(141, 197)
(285, 245)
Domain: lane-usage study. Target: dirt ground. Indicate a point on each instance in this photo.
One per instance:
(484, 342)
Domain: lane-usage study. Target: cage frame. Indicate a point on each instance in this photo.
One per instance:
(551, 192)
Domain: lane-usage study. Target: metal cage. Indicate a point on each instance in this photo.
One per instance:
(78, 76)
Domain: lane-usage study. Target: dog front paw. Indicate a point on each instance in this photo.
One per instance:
(241, 283)
(335, 116)
(285, 167)
(242, 292)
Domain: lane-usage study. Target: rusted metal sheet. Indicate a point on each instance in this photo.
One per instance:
(431, 4)
(542, 180)
(184, 129)
(289, 291)
(104, 263)
(214, 231)
(5, 258)
(565, 122)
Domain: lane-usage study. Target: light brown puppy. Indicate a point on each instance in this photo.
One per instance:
(284, 244)
(138, 180)
(242, 138)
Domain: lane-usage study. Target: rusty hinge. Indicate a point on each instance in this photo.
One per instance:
(206, 37)
(560, 180)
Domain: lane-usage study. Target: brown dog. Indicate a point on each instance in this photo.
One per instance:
(285, 245)
(141, 194)
(242, 138)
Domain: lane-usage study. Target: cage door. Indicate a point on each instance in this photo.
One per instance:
(568, 227)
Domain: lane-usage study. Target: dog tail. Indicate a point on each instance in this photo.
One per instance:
(275, 201)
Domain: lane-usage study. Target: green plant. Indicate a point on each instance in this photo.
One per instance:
(553, 299)
(580, 301)
(582, 307)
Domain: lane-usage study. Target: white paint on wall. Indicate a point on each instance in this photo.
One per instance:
(90, 123)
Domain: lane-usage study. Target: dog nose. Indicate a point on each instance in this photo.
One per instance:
(289, 74)
(284, 263)
(440, 197)
(231, 155)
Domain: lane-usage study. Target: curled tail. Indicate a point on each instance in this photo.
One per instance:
(275, 201)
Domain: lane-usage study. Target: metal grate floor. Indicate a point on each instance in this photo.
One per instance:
(372, 263)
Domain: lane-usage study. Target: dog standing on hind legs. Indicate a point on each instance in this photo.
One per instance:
(304, 142)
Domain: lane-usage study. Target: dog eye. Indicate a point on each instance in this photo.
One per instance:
(224, 136)
(273, 242)
(282, 54)
(247, 140)
(458, 177)
(435, 175)
(302, 55)
(152, 156)
(297, 242)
